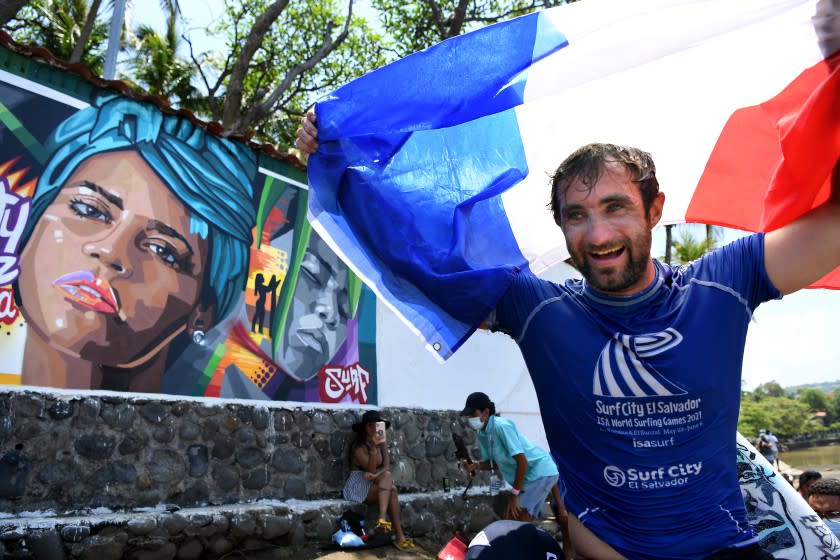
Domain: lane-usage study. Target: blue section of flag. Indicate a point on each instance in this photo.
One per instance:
(412, 160)
(461, 79)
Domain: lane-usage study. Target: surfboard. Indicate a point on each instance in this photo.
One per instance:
(787, 526)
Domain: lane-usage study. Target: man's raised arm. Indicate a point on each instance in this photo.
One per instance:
(807, 249)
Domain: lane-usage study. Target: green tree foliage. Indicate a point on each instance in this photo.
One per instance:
(418, 24)
(784, 416)
(155, 67)
(770, 389)
(833, 407)
(815, 399)
(687, 247)
(61, 25)
(154, 64)
(280, 57)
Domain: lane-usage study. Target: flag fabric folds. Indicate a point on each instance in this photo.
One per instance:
(432, 176)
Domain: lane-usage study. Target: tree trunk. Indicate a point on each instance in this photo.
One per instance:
(233, 99)
(668, 243)
(90, 21)
(457, 24)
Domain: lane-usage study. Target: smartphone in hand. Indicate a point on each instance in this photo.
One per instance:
(380, 432)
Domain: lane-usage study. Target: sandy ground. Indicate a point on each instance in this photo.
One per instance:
(828, 471)
(308, 553)
(425, 551)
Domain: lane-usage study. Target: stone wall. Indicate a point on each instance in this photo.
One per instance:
(112, 476)
(291, 529)
(73, 453)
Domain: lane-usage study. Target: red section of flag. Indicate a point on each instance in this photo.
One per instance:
(773, 161)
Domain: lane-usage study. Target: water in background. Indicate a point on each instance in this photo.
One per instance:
(812, 456)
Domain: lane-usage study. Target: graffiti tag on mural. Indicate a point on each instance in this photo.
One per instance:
(339, 383)
(14, 211)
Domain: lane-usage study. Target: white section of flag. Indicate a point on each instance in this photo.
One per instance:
(660, 75)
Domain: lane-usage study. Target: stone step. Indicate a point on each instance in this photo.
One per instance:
(298, 529)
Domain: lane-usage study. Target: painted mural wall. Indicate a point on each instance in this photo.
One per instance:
(139, 252)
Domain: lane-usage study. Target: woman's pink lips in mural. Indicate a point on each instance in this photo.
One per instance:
(88, 290)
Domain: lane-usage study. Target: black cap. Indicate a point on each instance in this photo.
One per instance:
(506, 539)
(476, 401)
(369, 417)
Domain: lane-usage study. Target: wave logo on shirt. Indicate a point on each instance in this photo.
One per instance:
(614, 476)
(621, 370)
(652, 479)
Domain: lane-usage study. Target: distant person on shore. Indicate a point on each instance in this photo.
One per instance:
(765, 446)
(805, 480)
(824, 499)
(774, 448)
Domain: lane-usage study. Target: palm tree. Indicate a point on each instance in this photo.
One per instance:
(712, 232)
(67, 28)
(688, 248)
(71, 30)
(156, 67)
(86, 31)
(154, 62)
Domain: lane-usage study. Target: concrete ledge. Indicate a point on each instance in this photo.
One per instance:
(211, 532)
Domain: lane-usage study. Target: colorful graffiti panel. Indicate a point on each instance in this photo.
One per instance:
(140, 253)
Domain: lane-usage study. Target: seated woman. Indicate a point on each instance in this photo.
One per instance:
(370, 479)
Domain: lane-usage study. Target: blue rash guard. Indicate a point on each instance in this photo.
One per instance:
(640, 394)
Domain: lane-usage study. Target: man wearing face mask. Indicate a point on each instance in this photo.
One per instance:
(528, 469)
(824, 499)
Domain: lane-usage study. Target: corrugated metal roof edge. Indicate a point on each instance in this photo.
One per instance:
(44, 55)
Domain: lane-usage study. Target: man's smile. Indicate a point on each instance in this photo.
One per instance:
(606, 255)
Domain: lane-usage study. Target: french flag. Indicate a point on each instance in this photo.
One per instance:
(432, 175)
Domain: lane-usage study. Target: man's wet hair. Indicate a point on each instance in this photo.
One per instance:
(587, 164)
(825, 487)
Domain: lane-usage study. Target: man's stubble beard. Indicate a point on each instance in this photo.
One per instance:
(630, 274)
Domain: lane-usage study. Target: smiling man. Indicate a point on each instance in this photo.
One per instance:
(648, 385)
(637, 366)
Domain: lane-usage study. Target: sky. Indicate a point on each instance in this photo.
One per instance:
(793, 341)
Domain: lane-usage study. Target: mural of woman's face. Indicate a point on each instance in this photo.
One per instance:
(317, 323)
(111, 268)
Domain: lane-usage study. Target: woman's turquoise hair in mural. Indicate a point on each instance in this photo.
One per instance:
(212, 176)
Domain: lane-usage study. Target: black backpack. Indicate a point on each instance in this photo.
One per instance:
(353, 519)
